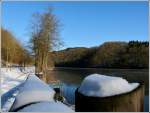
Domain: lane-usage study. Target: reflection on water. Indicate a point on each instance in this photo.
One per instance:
(69, 93)
(71, 79)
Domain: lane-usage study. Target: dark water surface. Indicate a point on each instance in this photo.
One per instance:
(71, 78)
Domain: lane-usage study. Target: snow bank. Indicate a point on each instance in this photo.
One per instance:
(47, 107)
(102, 86)
(33, 90)
(11, 80)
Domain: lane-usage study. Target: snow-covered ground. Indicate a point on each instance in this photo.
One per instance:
(15, 93)
(102, 86)
(33, 91)
(11, 79)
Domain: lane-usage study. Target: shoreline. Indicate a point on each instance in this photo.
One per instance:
(97, 68)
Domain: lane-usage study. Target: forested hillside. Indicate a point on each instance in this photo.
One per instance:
(134, 54)
(12, 52)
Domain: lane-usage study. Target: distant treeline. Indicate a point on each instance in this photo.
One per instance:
(12, 52)
(134, 54)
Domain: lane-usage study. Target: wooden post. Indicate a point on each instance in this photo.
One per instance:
(128, 102)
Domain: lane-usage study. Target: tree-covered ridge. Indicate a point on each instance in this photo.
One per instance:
(134, 54)
(12, 52)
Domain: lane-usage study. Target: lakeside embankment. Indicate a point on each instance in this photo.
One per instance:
(85, 68)
(11, 80)
(75, 76)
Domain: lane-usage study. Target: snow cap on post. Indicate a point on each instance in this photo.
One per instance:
(97, 85)
(100, 93)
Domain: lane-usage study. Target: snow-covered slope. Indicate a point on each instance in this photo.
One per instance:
(11, 77)
(102, 86)
(11, 80)
(33, 93)
(33, 90)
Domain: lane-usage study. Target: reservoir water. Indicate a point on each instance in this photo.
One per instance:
(71, 78)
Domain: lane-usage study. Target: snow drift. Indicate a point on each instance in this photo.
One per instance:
(97, 85)
(33, 90)
(11, 79)
(20, 90)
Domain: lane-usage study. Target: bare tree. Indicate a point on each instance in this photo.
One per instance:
(44, 38)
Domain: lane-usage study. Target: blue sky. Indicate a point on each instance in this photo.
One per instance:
(84, 24)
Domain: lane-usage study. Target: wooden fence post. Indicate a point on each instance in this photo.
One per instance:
(128, 102)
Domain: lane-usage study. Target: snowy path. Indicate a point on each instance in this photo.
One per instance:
(19, 91)
(11, 79)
